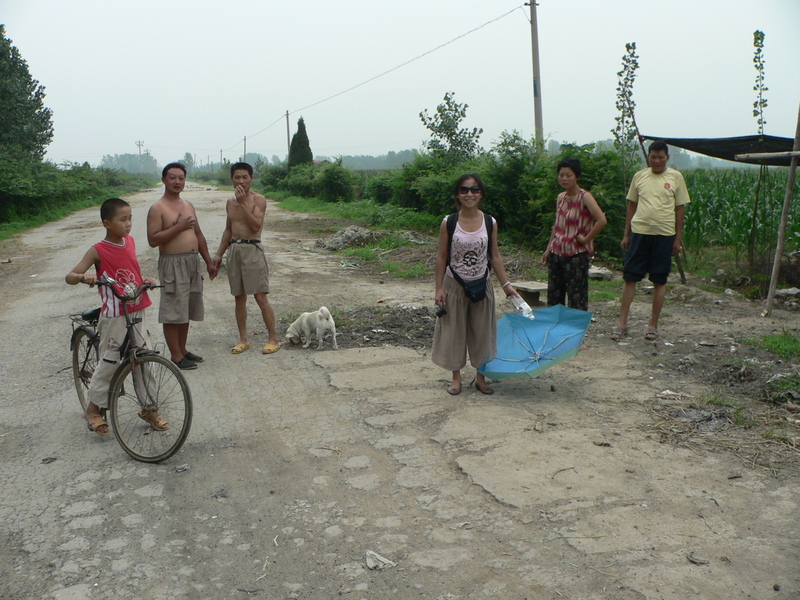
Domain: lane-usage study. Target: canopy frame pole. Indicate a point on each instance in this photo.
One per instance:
(787, 203)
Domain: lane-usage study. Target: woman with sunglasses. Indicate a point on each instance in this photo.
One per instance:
(579, 220)
(468, 254)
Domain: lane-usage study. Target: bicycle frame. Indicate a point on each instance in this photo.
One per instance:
(129, 350)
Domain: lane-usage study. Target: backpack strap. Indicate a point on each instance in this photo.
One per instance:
(452, 221)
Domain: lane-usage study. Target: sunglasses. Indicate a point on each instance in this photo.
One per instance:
(465, 190)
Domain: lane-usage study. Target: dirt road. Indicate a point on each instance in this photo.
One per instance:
(299, 463)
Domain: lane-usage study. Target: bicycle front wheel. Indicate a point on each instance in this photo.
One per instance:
(151, 385)
(85, 356)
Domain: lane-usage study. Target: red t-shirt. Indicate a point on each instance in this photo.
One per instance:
(119, 262)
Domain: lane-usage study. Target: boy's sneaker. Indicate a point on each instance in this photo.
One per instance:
(185, 364)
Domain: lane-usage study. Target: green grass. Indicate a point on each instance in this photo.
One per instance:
(785, 345)
(404, 270)
(785, 384)
(377, 256)
(742, 418)
(367, 212)
(774, 436)
(603, 291)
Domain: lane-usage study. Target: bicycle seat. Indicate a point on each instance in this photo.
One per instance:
(91, 315)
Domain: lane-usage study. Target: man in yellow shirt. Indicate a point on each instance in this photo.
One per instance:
(653, 228)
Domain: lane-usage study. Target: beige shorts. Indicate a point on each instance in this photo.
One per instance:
(248, 273)
(181, 275)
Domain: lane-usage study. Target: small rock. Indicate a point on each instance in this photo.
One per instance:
(697, 559)
(600, 273)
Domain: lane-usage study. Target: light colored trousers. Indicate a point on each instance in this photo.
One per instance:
(467, 326)
(112, 333)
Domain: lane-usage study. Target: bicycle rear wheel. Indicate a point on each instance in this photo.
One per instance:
(151, 383)
(85, 355)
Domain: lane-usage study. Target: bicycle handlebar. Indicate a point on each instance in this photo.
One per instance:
(110, 283)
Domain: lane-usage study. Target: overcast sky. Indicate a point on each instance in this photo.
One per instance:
(197, 76)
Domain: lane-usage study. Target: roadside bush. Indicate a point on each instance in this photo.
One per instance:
(379, 187)
(272, 176)
(334, 182)
(300, 181)
(33, 192)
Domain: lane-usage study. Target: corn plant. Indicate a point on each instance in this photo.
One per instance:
(721, 212)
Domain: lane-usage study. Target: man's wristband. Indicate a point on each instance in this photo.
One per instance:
(506, 284)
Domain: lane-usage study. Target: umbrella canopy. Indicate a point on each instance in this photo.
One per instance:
(528, 347)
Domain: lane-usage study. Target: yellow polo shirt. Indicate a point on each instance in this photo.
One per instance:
(656, 196)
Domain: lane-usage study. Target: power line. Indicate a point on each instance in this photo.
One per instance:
(408, 62)
(371, 79)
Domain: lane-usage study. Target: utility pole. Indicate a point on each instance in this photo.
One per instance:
(244, 156)
(537, 92)
(140, 143)
(288, 141)
(220, 159)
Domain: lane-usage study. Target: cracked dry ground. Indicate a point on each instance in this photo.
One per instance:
(590, 481)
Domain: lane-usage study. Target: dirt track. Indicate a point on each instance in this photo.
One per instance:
(580, 484)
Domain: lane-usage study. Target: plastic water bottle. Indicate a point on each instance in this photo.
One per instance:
(522, 306)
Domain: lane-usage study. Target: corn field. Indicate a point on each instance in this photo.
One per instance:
(724, 214)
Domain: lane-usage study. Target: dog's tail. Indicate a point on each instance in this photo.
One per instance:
(326, 314)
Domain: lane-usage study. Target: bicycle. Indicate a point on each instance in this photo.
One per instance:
(143, 382)
(85, 353)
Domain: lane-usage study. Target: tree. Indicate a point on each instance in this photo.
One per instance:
(626, 132)
(188, 161)
(758, 61)
(130, 163)
(26, 125)
(758, 112)
(300, 149)
(447, 136)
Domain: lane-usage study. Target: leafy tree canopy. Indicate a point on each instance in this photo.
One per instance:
(447, 136)
(300, 148)
(26, 125)
(131, 163)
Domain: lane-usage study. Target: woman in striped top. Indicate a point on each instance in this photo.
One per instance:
(579, 220)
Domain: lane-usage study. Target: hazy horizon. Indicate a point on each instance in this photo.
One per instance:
(200, 76)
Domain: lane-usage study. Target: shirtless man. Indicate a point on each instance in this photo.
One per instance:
(248, 273)
(172, 227)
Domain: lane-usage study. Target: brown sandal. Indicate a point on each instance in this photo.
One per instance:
(155, 419)
(618, 334)
(95, 423)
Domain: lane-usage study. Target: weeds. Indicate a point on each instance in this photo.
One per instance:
(742, 418)
(786, 345)
(603, 290)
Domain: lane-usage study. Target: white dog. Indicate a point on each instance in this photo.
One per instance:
(309, 323)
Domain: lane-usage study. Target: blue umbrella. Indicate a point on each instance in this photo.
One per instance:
(528, 347)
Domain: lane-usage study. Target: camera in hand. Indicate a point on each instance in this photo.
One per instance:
(442, 311)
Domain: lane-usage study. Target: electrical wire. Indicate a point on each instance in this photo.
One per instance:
(371, 79)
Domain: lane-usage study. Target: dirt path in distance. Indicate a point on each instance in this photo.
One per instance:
(610, 476)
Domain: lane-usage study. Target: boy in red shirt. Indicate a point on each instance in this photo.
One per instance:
(114, 257)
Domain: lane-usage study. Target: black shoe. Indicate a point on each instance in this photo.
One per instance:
(193, 357)
(185, 364)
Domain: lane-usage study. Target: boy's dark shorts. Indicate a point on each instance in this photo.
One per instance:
(648, 254)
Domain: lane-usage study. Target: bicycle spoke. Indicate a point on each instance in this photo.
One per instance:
(155, 386)
(84, 362)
